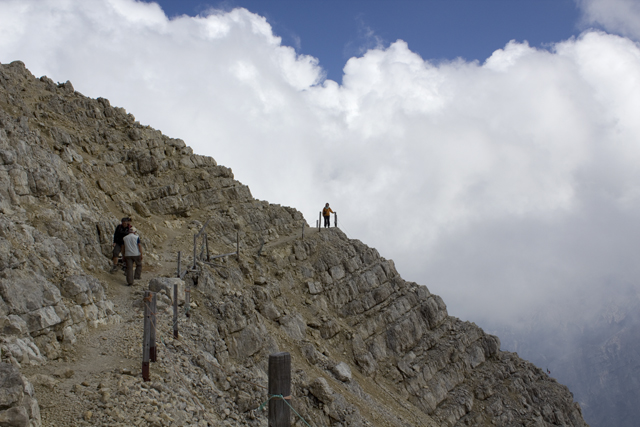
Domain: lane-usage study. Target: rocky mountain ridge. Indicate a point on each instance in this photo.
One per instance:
(368, 348)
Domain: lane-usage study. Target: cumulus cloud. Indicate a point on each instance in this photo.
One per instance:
(508, 186)
(617, 16)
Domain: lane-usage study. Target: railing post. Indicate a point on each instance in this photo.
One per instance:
(175, 310)
(145, 337)
(187, 300)
(335, 218)
(195, 239)
(279, 384)
(319, 220)
(179, 260)
(152, 329)
(206, 241)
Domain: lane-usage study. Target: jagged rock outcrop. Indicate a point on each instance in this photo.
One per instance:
(369, 348)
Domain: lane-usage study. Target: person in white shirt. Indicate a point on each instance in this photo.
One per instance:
(133, 253)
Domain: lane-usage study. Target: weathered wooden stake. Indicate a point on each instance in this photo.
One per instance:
(145, 338)
(206, 241)
(187, 300)
(319, 220)
(152, 329)
(175, 310)
(279, 384)
(179, 260)
(335, 217)
(195, 257)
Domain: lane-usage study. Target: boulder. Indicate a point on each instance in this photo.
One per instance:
(11, 386)
(320, 388)
(165, 284)
(342, 372)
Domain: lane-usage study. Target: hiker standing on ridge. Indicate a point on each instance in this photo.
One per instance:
(133, 253)
(121, 230)
(326, 213)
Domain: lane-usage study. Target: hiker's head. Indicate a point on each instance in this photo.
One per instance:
(132, 230)
(124, 220)
(327, 205)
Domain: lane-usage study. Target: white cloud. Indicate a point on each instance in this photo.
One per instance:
(504, 186)
(617, 16)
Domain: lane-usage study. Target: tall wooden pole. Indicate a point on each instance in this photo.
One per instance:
(145, 337)
(175, 310)
(195, 239)
(335, 217)
(319, 220)
(187, 300)
(152, 330)
(179, 260)
(279, 384)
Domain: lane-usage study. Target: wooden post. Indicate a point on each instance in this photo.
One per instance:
(179, 259)
(195, 239)
(319, 220)
(175, 310)
(279, 384)
(152, 330)
(145, 337)
(303, 224)
(335, 218)
(187, 300)
(238, 245)
(206, 241)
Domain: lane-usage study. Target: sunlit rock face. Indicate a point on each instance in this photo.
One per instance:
(369, 348)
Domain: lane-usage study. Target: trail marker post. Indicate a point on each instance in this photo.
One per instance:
(146, 337)
(152, 327)
(179, 260)
(175, 310)
(279, 384)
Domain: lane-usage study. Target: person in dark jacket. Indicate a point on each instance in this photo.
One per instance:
(118, 240)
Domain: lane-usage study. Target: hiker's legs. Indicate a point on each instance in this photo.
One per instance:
(138, 273)
(129, 260)
(115, 253)
(327, 221)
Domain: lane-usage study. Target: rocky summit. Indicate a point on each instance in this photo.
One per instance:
(367, 347)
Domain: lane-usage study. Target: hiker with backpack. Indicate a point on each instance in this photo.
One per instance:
(133, 254)
(326, 214)
(118, 244)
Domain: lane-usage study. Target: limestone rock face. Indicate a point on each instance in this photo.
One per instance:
(369, 348)
(18, 406)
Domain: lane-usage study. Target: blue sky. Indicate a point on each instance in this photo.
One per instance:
(335, 30)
